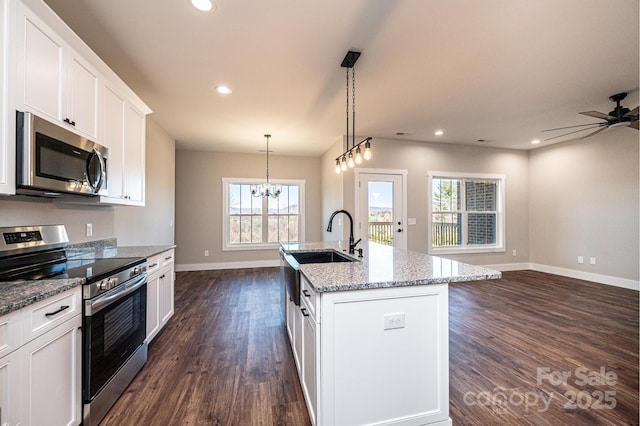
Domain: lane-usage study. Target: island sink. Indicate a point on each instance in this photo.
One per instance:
(290, 267)
(320, 257)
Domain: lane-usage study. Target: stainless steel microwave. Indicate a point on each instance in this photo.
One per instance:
(52, 161)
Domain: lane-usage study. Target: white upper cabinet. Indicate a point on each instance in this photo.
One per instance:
(114, 110)
(53, 80)
(7, 144)
(124, 135)
(84, 97)
(134, 155)
(48, 70)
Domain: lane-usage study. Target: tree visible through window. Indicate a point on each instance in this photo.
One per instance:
(466, 212)
(255, 221)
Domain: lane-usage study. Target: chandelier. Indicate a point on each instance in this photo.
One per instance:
(266, 189)
(354, 154)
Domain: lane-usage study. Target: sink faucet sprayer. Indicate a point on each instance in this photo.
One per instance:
(352, 245)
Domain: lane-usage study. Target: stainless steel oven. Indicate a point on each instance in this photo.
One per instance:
(114, 293)
(52, 161)
(114, 332)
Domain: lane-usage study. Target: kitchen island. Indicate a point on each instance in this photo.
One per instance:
(370, 338)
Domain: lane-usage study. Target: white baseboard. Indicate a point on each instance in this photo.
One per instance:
(508, 266)
(588, 276)
(571, 273)
(226, 265)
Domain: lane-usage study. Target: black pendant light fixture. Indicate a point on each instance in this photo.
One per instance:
(354, 154)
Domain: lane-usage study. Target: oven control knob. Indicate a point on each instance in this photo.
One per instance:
(112, 282)
(103, 285)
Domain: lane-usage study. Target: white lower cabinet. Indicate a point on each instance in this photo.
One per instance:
(11, 385)
(309, 367)
(53, 386)
(160, 292)
(374, 357)
(40, 379)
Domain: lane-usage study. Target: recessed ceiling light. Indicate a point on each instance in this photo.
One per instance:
(535, 141)
(223, 90)
(439, 132)
(203, 5)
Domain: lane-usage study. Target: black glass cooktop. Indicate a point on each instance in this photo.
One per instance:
(91, 269)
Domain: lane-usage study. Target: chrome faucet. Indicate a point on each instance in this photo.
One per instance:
(352, 245)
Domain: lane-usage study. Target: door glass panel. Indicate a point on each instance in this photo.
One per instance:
(380, 212)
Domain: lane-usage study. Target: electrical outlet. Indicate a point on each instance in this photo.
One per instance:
(592, 260)
(89, 232)
(514, 253)
(206, 253)
(392, 321)
(580, 259)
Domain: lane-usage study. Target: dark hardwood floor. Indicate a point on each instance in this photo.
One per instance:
(535, 348)
(224, 358)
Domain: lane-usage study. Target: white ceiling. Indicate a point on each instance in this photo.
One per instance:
(499, 70)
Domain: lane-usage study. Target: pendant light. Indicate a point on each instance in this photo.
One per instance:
(266, 189)
(347, 160)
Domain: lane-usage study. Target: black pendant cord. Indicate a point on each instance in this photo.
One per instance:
(347, 109)
(353, 110)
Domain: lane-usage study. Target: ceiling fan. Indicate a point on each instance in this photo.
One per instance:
(619, 117)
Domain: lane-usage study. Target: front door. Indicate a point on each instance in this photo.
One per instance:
(380, 207)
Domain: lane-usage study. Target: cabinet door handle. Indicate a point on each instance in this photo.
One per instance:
(304, 312)
(62, 308)
(306, 293)
(168, 258)
(162, 276)
(153, 265)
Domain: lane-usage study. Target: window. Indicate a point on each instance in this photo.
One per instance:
(466, 213)
(261, 223)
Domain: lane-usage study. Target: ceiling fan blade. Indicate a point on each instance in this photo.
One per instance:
(596, 132)
(603, 125)
(599, 115)
(571, 127)
(634, 124)
(632, 113)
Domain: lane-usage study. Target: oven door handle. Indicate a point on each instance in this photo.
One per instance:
(124, 290)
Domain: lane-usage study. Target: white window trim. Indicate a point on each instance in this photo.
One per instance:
(226, 246)
(499, 247)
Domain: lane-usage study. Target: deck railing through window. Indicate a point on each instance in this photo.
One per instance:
(446, 234)
(381, 232)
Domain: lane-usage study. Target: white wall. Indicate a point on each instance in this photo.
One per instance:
(584, 201)
(332, 191)
(199, 204)
(418, 158)
(578, 198)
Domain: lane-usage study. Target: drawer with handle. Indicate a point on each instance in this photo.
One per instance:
(46, 314)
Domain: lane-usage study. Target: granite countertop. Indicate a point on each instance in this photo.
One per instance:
(383, 266)
(126, 251)
(16, 295)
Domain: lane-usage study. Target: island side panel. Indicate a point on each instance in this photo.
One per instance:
(372, 373)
